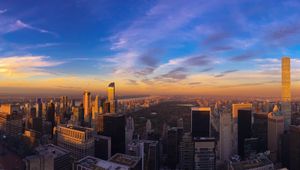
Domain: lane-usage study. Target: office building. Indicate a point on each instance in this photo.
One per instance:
(10, 120)
(241, 117)
(186, 152)
(87, 106)
(200, 121)
(78, 140)
(39, 108)
(49, 157)
(260, 130)
(204, 153)
(250, 147)
(172, 148)
(148, 151)
(114, 126)
(294, 147)
(275, 130)
(111, 97)
(129, 130)
(102, 147)
(225, 141)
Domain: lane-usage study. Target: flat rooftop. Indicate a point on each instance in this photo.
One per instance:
(123, 159)
(96, 163)
(250, 164)
(79, 128)
(51, 150)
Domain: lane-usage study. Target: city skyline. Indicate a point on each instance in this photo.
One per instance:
(145, 47)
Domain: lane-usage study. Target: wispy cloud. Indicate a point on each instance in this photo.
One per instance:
(26, 66)
(222, 74)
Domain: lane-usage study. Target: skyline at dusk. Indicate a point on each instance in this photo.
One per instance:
(148, 47)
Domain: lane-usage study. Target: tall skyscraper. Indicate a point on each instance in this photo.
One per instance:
(275, 130)
(87, 106)
(205, 153)
(241, 117)
(114, 126)
(200, 123)
(286, 79)
(286, 91)
(111, 97)
(260, 130)
(39, 108)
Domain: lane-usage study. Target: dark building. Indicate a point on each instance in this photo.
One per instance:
(200, 122)
(250, 147)
(172, 148)
(102, 147)
(244, 129)
(260, 130)
(294, 147)
(39, 108)
(114, 126)
(50, 113)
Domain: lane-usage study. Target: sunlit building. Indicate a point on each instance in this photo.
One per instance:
(87, 106)
(111, 97)
(10, 120)
(286, 91)
(78, 140)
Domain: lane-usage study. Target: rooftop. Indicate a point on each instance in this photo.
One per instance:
(95, 163)
(253, 163)
(123, 159)
(51, 150)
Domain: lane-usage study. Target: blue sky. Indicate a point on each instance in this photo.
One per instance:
(147, 45)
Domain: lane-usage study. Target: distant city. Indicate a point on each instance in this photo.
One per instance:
(152, 132)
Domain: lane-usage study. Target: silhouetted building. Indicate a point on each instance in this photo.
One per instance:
(250, 147)
(114, 126)
(260, 130)
(294, 148)
(102, 147)
(200, 121)
(172, 148)
(186, 153)
(133, 162)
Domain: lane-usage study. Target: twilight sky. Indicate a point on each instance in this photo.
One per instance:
(217, 47)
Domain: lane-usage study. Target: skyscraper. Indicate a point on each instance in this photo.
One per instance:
(111, 97)
(114, 126)
(225, 135)
(286, 91)
(275, 130)
(205, 153)
(39, 108)
(286, 79)
(200, 123)
(87, 106)
(241, 117)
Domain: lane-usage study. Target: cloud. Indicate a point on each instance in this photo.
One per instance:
(207, 69)
(195, 83)
(11, 25)
(222, 48)
(132, 82)
(222, 74)
(150, 57)
(198, 61)
(215, 38)
(2, 11)
(26, 66)
(35, 46)
(178, 73)
(242, 57)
